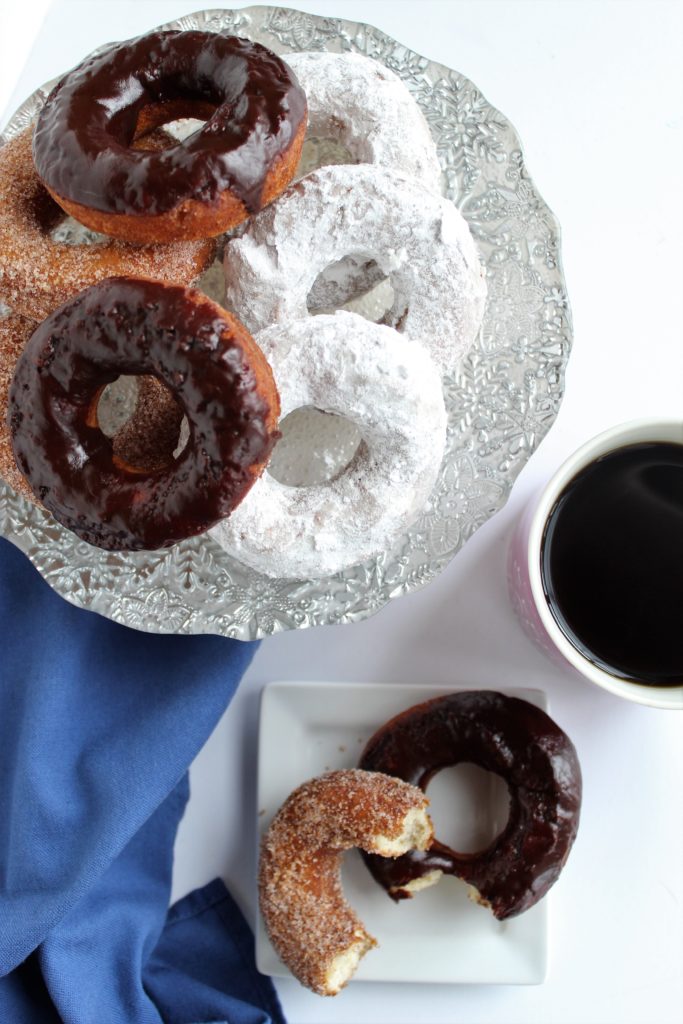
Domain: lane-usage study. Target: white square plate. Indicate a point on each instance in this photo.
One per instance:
(439, 935)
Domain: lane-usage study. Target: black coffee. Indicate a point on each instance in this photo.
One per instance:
(612, 563)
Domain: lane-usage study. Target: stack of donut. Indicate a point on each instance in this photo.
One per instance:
(82, 315)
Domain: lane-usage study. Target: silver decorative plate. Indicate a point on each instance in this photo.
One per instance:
(501, 403)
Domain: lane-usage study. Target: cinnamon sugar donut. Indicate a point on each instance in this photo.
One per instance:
(312, 927)
(390, 388)
(232, 166)
(37, 274)
(15, 331)
(420, 241)
(206, 360)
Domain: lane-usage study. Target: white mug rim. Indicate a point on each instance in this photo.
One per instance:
(631, 432)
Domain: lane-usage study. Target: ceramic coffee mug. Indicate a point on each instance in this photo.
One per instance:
(525, 577)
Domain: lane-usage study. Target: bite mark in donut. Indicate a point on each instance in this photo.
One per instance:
(209, 364)
(535, 758)
(243, 156)
(312, 927)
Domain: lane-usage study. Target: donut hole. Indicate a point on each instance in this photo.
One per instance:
(321, 152)
(179, 129)
(469, 806)
(354, 283)
(144, 422)
(373, 304)
(179, 118)
(69, 232)
(117, 404)
(315, 447)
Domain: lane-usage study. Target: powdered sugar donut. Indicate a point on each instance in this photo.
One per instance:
(390, 388)
(420, 240)
(367, 108)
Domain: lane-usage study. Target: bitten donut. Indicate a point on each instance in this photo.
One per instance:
(368, 109)
(312, 927)
(535, 758)
(209, 364)
(391, 390)
(237, 162)
(37, 274)
(420, 241)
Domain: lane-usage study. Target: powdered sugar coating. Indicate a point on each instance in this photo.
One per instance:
(420, 241)
(367, 108)
(307, 917)
(390, 388)
(37, 274)
(369, 111)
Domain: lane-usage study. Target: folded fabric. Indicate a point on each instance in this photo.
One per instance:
(98, 724)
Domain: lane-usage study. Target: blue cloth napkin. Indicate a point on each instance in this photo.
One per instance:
(98, 724)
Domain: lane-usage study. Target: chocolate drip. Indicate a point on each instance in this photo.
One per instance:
(528, 750)
(84, 133)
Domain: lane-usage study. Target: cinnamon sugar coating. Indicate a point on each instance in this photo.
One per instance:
(15, 331)
(37, 274)
(308, 919)
(148, 439)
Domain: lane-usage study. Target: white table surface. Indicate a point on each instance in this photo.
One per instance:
(596, 93)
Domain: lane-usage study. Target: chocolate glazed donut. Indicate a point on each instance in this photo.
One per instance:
(243, 156)
(538, 762)
(210, 365)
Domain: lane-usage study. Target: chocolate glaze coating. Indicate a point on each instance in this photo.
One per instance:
(528, 750)
(200, 352)
(83, 135)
